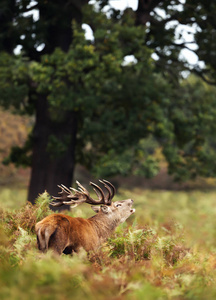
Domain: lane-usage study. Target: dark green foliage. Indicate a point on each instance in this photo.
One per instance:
(193, 149)
(14, 82)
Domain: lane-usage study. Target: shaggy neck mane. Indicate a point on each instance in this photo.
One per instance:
(103, 225)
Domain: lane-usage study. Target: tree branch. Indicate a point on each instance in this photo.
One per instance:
(201, 75)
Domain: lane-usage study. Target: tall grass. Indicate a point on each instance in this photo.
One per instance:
(167, 250)
(12, 198)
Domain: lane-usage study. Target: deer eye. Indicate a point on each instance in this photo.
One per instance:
(117, 205)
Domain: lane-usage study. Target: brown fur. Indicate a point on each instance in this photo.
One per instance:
(64, 234)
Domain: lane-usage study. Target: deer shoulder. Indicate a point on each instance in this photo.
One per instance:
(64, 234)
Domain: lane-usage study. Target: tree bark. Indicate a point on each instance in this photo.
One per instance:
(49, 167)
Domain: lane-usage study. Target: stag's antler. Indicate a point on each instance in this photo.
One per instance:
(81, 195)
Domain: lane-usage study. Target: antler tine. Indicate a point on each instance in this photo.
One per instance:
(108, 198)
(99, 193)
(76, 191)
(82, 189)
(112, 189)
(64, 189)
(56, 203)
(67, 197)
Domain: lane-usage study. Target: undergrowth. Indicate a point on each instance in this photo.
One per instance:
(139, 261)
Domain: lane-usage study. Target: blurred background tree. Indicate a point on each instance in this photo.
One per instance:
(91, 105)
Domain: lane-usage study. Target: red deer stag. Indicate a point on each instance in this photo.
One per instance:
(64, 234)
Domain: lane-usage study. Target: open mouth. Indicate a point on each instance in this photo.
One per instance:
(133, 210)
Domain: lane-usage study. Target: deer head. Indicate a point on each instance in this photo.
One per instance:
(113, 210)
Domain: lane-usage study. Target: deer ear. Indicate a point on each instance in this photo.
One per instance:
(95, 208)
(104, 209)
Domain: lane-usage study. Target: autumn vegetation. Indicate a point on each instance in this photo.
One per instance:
(75, 107)
(165, 251)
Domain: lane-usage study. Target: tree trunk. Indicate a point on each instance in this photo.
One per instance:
(52, 164)
(144, 9)
(51, 167)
